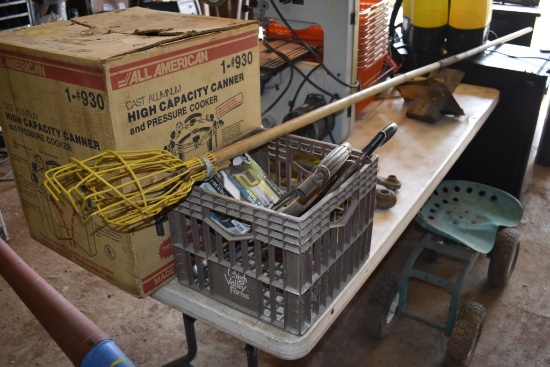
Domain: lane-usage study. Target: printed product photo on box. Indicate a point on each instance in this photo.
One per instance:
(132, 79)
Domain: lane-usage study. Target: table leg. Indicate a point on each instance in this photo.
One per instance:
(251, 355)
(190, 336)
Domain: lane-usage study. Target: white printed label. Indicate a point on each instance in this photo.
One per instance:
(237, 283)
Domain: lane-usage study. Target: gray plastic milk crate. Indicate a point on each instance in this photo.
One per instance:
(293, 267)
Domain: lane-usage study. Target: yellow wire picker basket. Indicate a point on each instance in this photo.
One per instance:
(125, 187)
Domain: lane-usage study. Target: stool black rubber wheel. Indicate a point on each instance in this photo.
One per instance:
(503, 257)
(381, 309)
(465, 335)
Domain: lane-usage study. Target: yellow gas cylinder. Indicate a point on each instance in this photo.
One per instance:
(469, 22)
(428, 25)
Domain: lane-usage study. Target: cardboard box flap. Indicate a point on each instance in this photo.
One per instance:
(107, 35)
(137, 20)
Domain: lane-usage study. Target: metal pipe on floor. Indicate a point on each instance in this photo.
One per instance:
(84, 343)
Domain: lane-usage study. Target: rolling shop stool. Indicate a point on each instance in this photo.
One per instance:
(463, 219)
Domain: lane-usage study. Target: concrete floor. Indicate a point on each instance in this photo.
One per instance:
(516, 330)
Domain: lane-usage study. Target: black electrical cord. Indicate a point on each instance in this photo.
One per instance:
(276, 101)
(492, 33)
(299, 89)
(291, 64)
(306, 78)
(297, 36)
(393, 17)
(519, 57)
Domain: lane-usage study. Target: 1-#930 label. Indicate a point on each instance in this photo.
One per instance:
(87, 98)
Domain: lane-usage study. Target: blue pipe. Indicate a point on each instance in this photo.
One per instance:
(106, 354)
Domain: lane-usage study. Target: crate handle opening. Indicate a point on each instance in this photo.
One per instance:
(225, 233)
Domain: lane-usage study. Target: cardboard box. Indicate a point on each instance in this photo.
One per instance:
(122, 80)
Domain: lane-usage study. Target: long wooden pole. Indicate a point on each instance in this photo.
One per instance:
(290, 126)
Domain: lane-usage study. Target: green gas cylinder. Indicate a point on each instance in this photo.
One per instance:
(428, 25)
(469, 22)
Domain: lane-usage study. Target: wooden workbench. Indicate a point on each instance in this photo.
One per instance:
(420, 154)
